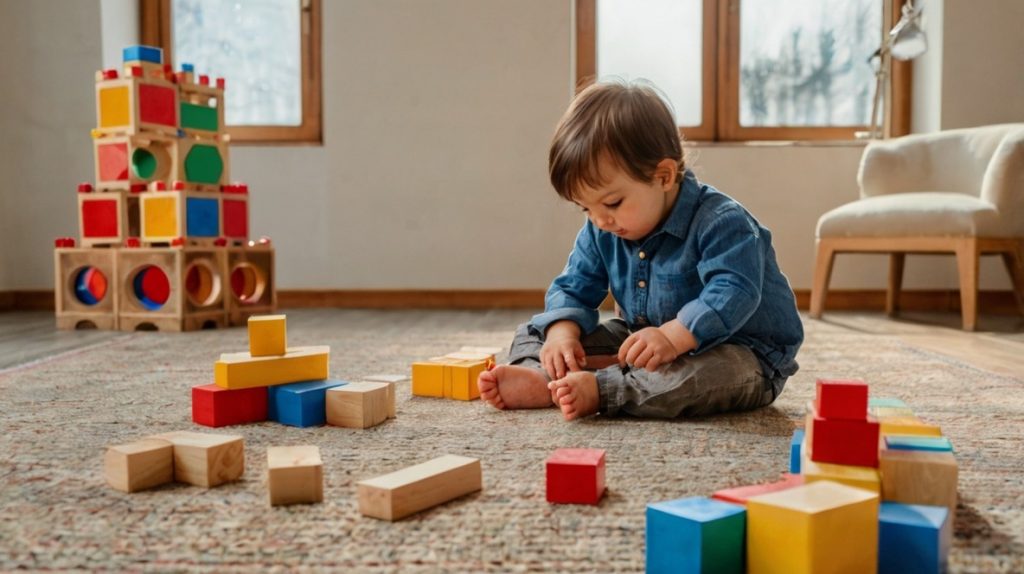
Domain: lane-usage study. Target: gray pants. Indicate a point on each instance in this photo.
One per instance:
(726, 378)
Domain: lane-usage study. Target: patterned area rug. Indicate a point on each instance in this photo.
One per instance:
(59, 414)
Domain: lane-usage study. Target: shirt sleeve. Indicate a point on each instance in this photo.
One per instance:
(731, 268)
(579, 290)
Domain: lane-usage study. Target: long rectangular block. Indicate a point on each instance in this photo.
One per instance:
(358, 405)
(695, 535)
(295, 475)
(845, 441)
(913, 539)
(741, 494)
(909, 442)
(404, 492)
(842, 399)
(575, 476)
(452, 376)
(139, 465)
(300, 404)
(268, 335)
(242, 370)
(818, 527)
(919, 477)
(206, 459)
(214, 406)
(904, 425)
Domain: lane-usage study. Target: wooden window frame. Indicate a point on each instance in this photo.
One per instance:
(155, 24)
(720, 91)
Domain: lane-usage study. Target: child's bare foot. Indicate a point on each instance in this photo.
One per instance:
(576, 394)
(514, 387)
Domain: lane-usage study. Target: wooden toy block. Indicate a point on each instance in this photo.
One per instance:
(85, 295)
(855, 476)
(575, 476)
(888, 412)
(391, 381)
(136, 104)
(107, 218)
(234, 215)
(909, 442)
(908, 426)
(139, 465)
(213, 406)
(845, 441)
(203, 164)
(886, 402)
(202, 107)
(818, 527)
(168, 215)
(358, 405)
(913, 538)
(170, 289)
(740, 494)
(842, 399)
(143, 53)
(295, 475)
(129, 162)
(695, 535)
(919, 477)
(251, 277)
(452, 377)
(416, 488)
(242, 370)
(206, 459)
(267, 335)
(300, 404)
(794, 451)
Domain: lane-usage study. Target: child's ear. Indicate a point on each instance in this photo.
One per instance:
(665, 173)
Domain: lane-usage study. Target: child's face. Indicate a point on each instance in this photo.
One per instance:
(626, 207)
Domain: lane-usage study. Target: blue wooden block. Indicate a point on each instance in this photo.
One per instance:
(886, 402)
(202, 217)
(300, 404)
(186, 67)
(695, 535)
(143, 54)
(913, 538)
(794, 451)
(929, 443)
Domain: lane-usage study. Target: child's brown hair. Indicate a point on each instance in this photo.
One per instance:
(629, 121)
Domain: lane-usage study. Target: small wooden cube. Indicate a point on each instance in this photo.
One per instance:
(295, 475)
(919, 477)
(267, 335)
(845, 441)
(139, 465)
(575, 476)
(206, 459)
(695, 535)
(913, 538)
(842, 399)
(358, 405)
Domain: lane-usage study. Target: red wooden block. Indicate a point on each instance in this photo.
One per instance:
(156, 105)
(236, 218)
(100, 218)
(845, 441)
(214, 406)
(85, 188)
(113, 161)
(575, 476)
(740, 494)
(842, 399)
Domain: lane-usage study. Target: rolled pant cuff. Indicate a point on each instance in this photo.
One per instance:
(609, 390)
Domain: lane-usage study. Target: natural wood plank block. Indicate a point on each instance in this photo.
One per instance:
(904, 425)
(919, 477)
(295, 475)
(408, 491)
(242, 370)
(206, 459)
(139, 465)
(358, 405)
(267, 335)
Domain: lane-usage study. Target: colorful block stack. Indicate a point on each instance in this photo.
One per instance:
(164, 233)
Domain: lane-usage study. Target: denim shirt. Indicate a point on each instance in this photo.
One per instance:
(710, 265)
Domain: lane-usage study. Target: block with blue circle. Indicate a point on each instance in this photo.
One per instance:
(913, 538)
(910, 442)
(300, 404)
(143, 54)
(794, 451)
(695, 534)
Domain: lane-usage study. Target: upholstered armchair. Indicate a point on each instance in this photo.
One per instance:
(958, 191)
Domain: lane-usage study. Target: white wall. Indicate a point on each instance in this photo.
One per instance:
(437, 118)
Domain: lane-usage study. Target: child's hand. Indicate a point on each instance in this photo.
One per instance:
(648, 348)
(561, 355)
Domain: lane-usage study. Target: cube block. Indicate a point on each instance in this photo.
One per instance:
(919, 477)
(206, 459)
(913, 539)
(845, 441)
(358, 405)
(575, 476)
(448, 377)
(139, 465)
(842, 399)
(695, 535)
(267, 335)
(300, 404)
(295, 475)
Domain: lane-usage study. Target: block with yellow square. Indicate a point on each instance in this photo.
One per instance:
(819, 527)
(267, 335)
(167, 215)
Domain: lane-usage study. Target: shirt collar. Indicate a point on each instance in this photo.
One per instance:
(678, 222)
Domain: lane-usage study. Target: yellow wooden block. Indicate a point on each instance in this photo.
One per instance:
(463, 379)
(452, 376)
(114, 107)
(242, 370)
(864, 477)
(267, 335)
(428, 379)
(819, 527)
(160, 216)
(907, 426)
(919, 477)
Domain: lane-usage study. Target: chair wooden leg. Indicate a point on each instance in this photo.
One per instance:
(1014, 261)
(822, 273)
(967, 263)
(892, 295)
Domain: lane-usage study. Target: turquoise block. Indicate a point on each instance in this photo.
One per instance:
(300, 404)
(794, 451)
(929, 443)
(886, 402)
(912, 538)
(695, 535)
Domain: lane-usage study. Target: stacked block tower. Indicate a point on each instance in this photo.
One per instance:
(164, 234)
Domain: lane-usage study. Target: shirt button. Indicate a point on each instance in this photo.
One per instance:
(642, 284)
(642, 255)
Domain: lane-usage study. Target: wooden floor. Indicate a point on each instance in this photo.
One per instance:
(997, 346)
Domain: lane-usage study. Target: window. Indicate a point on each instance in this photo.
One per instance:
(268, 52)
(739, 70)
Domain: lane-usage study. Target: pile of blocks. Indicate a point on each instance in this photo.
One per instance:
(876, 491)
(452, 376)
(288, 385)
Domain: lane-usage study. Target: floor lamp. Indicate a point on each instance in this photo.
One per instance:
(905, 41)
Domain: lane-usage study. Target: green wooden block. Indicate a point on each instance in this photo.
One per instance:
(203, 164)
(198, 117)
(930, 443)
(886, 402)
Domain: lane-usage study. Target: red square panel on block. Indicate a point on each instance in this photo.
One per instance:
(845, 441)
(236, 218)
(156, 105)
(740, 494)
(113, 161)
(99, 218)
(214, 406)
(575, 476)
(842, 399)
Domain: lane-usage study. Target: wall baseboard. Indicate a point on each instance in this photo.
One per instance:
(947, 300)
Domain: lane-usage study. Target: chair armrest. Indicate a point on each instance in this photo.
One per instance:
(1003, 184)
(898, 165)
